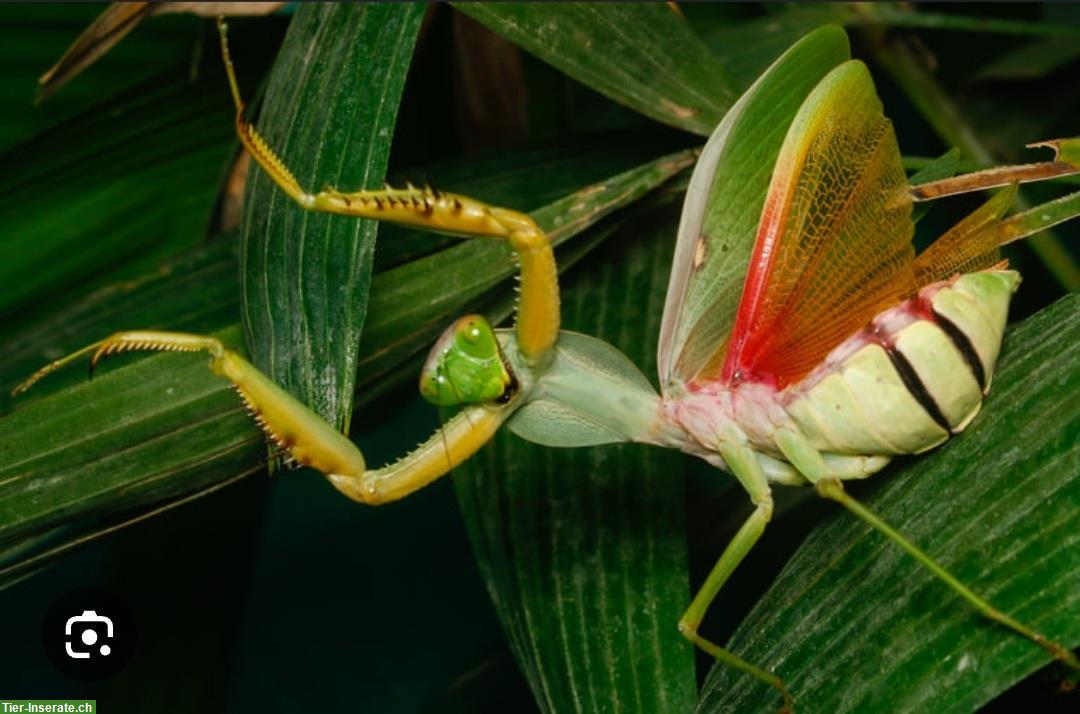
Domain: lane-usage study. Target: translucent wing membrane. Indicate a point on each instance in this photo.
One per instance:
(834, 241)
(967, 246)
(723, 206)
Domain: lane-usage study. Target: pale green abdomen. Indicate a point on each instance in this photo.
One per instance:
(915, 377)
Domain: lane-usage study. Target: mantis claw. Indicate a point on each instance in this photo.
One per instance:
(299, 434)
(431, 209)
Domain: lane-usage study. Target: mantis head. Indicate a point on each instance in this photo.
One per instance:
(466, 366)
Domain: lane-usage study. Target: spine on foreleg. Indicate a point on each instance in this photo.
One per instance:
(914, 376)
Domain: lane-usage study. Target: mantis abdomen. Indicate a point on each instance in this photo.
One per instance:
(915, 376)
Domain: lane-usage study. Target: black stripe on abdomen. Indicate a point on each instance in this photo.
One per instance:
(915, 386)
(963, 343)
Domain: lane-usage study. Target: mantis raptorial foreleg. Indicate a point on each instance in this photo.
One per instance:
(301, 433)
(743, 464)
(538, 303)
(802, 454)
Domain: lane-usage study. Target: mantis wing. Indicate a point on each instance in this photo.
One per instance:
(723, 205)
(967, 246)
(834, 241)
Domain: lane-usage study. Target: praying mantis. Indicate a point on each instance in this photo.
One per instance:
(753, 402)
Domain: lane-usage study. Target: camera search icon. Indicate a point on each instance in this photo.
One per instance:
(88, 634)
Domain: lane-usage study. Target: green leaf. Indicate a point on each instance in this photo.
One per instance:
(329, 110)
(198, 292)
(642, 55)
(115, 189)
(583, 550)
(745, 48)
(154, 430)
(899, 15)
(37, 34)
(1033, 61)
(942, 167)
(854, 624)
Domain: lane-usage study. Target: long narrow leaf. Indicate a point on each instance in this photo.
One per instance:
(329, 109)
(120, 187)
(642, 55)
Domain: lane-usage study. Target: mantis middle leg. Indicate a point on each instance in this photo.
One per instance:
(742, 462)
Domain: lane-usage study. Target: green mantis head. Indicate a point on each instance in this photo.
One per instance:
(466, 366)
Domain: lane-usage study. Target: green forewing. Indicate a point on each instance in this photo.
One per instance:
(724, 202)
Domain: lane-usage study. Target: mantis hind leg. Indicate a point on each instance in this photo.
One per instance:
(301, 433)
(805, 458)
(744, 465)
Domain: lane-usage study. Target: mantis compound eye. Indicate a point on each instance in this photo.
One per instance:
(466, 366)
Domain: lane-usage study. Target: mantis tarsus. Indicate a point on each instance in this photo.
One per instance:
(845, 349)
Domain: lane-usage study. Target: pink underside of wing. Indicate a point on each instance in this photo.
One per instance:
(833, 243)
(755, 286)
(882, 330)
(758, 407)
(757, 277)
